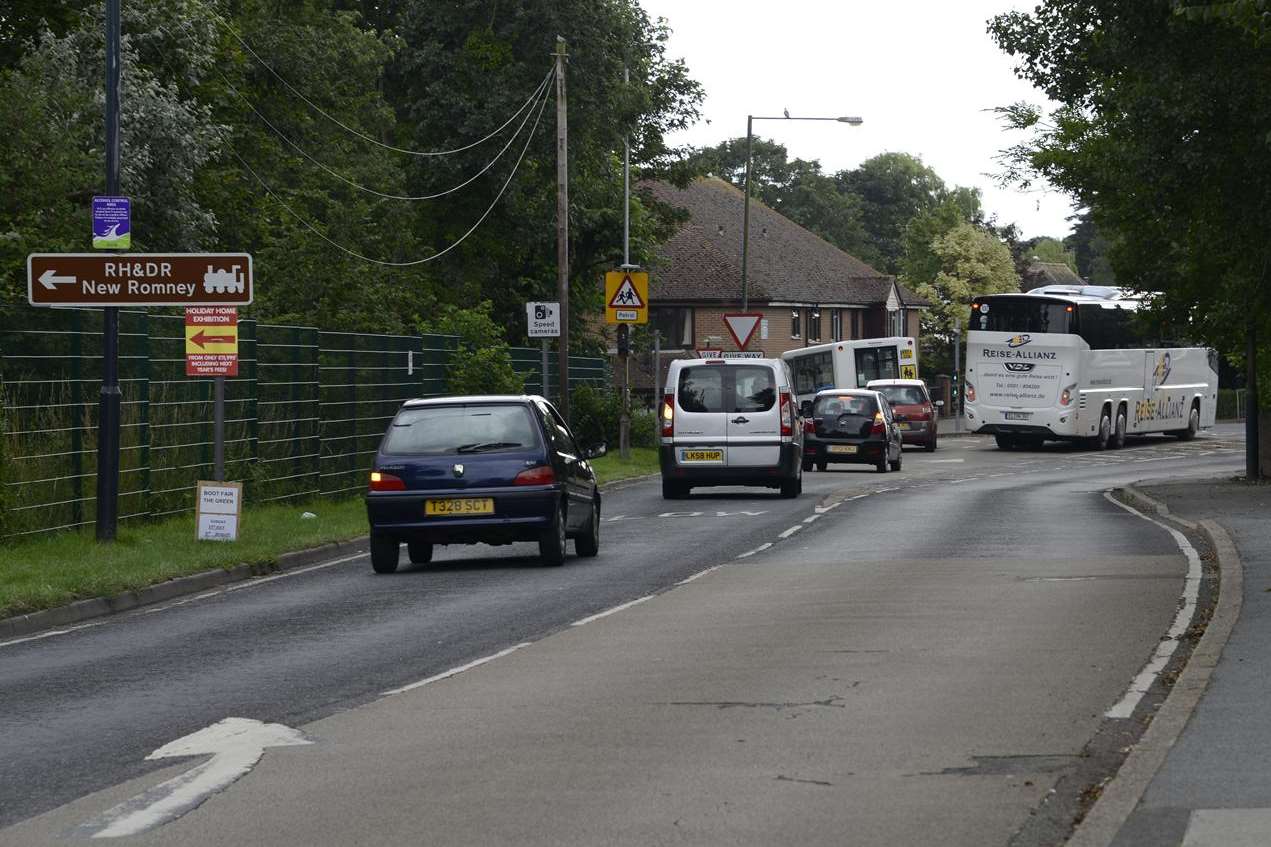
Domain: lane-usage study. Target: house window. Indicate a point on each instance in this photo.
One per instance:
(814, 325)
(836, 325)
(796, 327)
(676, 325)
(856, 324)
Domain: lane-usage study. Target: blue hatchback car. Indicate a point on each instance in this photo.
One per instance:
(491, 470)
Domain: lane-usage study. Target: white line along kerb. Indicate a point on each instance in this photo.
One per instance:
(1191, 589)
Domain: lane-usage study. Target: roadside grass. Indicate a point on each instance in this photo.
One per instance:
(46, 572)
(611, 468)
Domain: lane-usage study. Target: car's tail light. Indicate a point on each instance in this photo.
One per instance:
(542, 475)
(879, 426)
(1065, 396)
(809, 426)
(787, 414)
(970, 392)
(668, 416)
(381, 481)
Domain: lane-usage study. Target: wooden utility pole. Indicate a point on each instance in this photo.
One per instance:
(562, 226)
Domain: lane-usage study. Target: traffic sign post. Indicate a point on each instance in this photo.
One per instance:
(742, 326)
(543, 321)
(129, 279)
(211, 349)
(626, 297)
(139, 279)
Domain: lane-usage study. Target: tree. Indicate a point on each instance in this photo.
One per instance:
(972, 262)
(1090, 249)
(1051, 250)
(893, 188)
(459, 74)
(51, 150)
(1162, 131)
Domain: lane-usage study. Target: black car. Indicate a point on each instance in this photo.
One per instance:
(851, 425)
(491, 470)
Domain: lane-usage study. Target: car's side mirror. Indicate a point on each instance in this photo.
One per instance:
(595, 452)
(939, 404)
(805, 409)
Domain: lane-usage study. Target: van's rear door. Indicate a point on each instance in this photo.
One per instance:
(701, 402)
(754, 420)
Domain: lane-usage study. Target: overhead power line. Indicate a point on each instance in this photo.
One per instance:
(527, 108)
(216, 17)
(528, 137)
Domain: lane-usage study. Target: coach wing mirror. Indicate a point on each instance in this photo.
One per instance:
(805, 409)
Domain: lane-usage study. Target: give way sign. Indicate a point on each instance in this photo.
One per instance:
(742, 326)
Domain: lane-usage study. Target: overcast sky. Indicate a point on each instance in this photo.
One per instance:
(920, 72)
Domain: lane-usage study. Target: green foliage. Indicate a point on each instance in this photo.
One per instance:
(482, 364)
(5, 519)
(1162, 131)
(971, 262)
(595, 415)
(1051, 250)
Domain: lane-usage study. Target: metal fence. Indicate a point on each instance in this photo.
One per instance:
(303, 417)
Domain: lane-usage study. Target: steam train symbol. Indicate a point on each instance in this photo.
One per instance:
(224, 282)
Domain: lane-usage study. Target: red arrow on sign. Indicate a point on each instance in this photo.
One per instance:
(203, 340)
(742, 326)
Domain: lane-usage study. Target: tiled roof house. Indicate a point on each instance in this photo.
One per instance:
(808, 290)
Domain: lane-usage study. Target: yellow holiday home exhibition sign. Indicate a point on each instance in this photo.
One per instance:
(626, 297)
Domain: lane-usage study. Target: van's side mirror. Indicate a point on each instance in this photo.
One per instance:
(805, 409)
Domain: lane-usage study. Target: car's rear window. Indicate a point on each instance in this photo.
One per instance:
(441, 430)
(727, 388)
(903, 395)
(837, 405)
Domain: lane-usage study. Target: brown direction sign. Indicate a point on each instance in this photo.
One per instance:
(139, 279)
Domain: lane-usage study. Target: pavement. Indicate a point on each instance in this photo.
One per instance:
(883, 661)
(1214, 787)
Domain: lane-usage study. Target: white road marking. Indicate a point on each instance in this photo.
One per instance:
(235, 745)
(701, 574)
(475, 663)
(885, 490)
(1191, 588)
(150, 610)
(943, 461)
(791, 531)
(680, 515)
(811, 518)
(858, 496)
(759, 549)
(607, 612)
(823, 509)
(964, 479)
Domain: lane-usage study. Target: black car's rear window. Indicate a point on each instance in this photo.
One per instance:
(441, 430)
(903, 395)
(836, 405)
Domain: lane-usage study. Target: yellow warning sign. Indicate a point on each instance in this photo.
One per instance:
(908, 371)
(626, 297)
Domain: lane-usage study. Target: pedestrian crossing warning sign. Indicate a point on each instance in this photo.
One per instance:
(626, 297)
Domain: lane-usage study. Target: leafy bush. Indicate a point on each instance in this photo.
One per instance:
(483, 362)
(597, 416)
(594, 416)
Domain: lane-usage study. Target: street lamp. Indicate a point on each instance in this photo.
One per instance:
(745, 220)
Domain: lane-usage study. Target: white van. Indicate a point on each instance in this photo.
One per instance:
(730, 422)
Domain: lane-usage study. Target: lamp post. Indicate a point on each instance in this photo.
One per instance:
(745, 219)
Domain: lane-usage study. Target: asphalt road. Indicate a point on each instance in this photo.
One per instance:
(80, 711)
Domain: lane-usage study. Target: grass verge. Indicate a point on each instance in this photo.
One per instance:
(611, 468)
(47, 572)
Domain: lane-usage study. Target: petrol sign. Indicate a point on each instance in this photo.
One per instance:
(134, 279)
